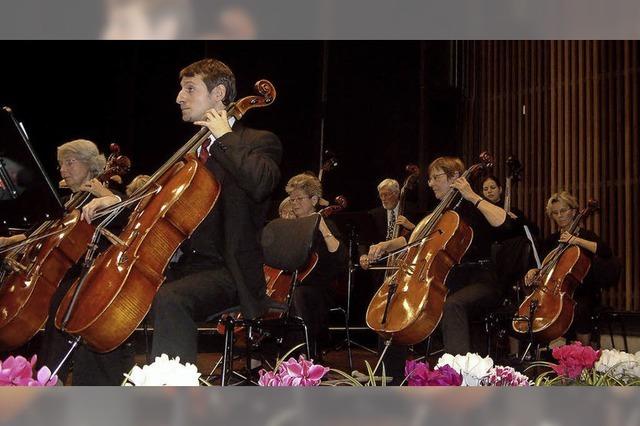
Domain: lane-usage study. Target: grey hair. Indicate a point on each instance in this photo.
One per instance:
(307, 183)
(84, 151)
(389, 183)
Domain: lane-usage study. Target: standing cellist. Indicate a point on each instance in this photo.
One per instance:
(222, 265)
(472, 284)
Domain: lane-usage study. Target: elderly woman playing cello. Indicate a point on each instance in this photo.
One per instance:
(80, 162)
(311, 296)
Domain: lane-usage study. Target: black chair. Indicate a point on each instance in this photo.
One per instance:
(286, 245)
(512, 258)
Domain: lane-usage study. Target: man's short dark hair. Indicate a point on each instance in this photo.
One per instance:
(213, 73)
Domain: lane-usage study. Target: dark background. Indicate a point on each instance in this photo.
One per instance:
(125, 92)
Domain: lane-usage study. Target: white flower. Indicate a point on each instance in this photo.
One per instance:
(618, 364)
(472, 367)
(164, 372)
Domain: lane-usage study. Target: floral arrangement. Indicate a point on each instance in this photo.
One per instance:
(163, 372)
(18, 371)
(463, 370)
(582, 365)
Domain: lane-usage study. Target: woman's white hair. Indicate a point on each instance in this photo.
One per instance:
(84, 151)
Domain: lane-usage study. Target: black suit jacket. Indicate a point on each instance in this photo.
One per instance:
(379, 216)
(246, 164)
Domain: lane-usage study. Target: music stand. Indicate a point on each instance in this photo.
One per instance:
(25, 182)
(357, 226)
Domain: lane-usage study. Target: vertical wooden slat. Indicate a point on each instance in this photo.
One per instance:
(633, 185)
(582, 194)
(565, 165)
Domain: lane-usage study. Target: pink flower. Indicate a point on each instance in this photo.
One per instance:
(573, 359)
(506, 376)
(418, 374)
(18, 371)
(269, 378)
(301, 372)
(294, 373)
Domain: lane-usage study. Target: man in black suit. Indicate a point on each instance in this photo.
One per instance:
(222, 264)
(386, 216)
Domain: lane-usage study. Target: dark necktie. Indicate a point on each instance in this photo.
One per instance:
(391, 224)
(204, 152)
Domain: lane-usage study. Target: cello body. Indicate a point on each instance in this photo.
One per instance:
(416, 306)
(554, 297)
(25, 295)
(125, 278)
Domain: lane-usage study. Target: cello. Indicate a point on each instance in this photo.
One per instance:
(514, 176)
(106, 305)
(409, 304)
(550, 307)
(42, 262)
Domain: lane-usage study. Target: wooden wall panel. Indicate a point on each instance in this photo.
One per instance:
(569, 111)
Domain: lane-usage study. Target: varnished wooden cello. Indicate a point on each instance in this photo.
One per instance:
(409, 304)
(116, 294)
(551, 301)
(41, 265)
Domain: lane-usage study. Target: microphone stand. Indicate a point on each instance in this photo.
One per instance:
(348, 342)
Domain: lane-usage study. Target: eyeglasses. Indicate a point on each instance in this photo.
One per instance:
(69, 162)
(299, 199)
(560, 212)
(434, 177)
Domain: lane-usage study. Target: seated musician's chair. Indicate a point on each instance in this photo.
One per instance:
(287, 246)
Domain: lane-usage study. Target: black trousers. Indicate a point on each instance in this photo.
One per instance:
(90, 368)
(473, 291)
(194, 290)
(310, 302)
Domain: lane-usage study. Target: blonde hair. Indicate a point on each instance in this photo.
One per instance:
(389, 183)
(307, 183)
(565, 196)
(285, 209)
(449, 165)
(86, 152)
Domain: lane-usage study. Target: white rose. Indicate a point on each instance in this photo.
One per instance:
(472, 367)
(165, 372)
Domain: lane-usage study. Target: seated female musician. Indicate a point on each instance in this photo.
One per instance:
(492, 192)
(562, 207)
(472, 284)
(80, 162)
(310, 297)
(285, 209)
